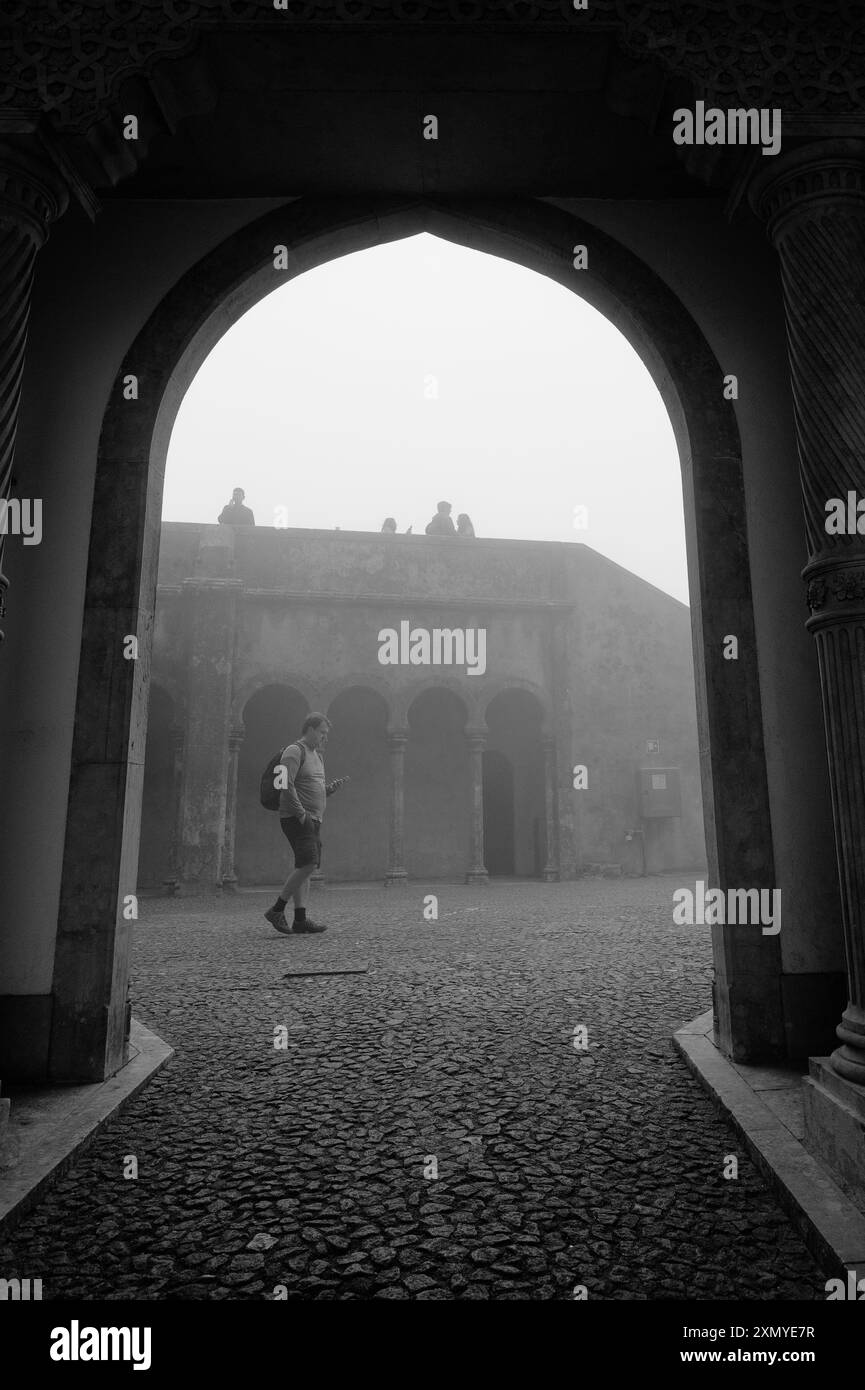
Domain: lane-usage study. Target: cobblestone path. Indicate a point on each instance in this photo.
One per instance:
(311, 1166)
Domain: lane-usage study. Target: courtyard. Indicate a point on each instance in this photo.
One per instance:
(434, 1126)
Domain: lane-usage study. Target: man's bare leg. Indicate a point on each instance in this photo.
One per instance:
(300, 893)
(297, 885)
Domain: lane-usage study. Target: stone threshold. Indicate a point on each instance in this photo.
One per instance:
(765, 1107)
(50, 1125)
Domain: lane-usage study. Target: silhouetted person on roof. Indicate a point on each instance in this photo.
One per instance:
(442, 523)
(234, 513)
(464, 525)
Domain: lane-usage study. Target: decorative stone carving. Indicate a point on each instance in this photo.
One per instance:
(30, 197)
(806, 58)
(837, 586)
(814, 202)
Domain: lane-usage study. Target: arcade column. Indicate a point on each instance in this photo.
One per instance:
(211, 598)
(396, 872)
(566, 675)
(813, 200)
(172, 882)
(477, 742)
(31, 196)
(551, 868)
(236, 736)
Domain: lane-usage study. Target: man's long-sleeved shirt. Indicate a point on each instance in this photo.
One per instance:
(306, 789)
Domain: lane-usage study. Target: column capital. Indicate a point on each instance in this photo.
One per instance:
(477, 739)
(814, 177)
(236, 735)
(397, 738)
(32, 192)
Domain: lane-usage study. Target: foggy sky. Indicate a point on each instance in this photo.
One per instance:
(315, 402)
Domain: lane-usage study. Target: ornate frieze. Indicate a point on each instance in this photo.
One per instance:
(69, 57)
(837, 587)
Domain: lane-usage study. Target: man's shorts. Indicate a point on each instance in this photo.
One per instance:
(305, 840)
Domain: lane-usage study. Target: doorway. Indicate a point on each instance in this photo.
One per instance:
(175, 339)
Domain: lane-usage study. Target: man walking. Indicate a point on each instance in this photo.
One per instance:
(301, 811)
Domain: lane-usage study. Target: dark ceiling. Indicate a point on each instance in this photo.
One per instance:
(292, 113)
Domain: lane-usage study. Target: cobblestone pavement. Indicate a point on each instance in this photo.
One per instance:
(311, 1165)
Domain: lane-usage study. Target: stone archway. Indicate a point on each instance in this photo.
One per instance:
(89, 990)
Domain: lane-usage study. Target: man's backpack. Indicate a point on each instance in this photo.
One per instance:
(269, 792)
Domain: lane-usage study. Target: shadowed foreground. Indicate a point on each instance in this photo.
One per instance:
(310, 1166)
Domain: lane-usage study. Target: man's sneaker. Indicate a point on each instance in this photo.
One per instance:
(277, 919)
(301, 928)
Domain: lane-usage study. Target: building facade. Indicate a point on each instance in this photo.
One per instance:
(497, 705)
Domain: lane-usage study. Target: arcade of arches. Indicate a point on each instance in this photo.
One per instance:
(712, 260)
(453, 774)
(422, 768)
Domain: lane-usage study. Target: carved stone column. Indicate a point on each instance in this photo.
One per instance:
(477, 741)
(551, 868)
(211, 600)
(172, 882)
(236, 735)
(814, 203)
(396, 871)
(31, 196)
